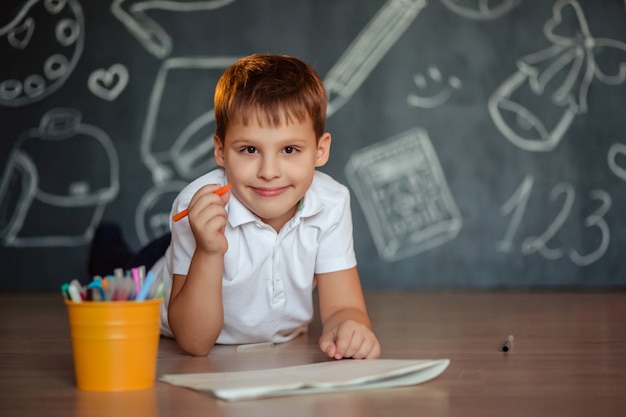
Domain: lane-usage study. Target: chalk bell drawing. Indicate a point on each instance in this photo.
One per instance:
(559, 75)
(57, 183)
(403, 193)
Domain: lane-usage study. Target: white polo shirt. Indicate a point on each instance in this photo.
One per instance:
(268, 277)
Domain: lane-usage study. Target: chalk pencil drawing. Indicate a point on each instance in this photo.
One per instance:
(517, 205)
(560, 74)
(403, 193)
(440, 90)
(37, 59)
(177, 141)
(367, 50)
(57, 182)
(133, 15)
(108, 83)
(481, 9)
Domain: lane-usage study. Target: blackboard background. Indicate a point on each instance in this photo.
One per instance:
(481, 168)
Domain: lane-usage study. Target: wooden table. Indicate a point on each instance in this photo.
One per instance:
(568, 359)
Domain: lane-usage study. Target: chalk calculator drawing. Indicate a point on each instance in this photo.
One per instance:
(559, 75)
(403, 193)
(40, 46)
(155, 39)
(481, 9)
(58, 180)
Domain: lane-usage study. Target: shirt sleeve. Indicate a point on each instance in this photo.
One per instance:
(183, 242)
(336, 249)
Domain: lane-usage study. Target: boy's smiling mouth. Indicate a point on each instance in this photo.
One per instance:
(269, 191)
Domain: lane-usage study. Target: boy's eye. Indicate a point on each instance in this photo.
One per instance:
(290, 149)
(249, 149)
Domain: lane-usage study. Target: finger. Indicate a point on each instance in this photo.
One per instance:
(327, 343)
(343, 341)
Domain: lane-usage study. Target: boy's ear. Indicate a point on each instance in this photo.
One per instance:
(323, 150)
(218, 150)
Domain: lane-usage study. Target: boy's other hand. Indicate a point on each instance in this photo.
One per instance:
(349, 339)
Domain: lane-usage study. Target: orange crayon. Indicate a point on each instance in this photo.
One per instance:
(220, 191)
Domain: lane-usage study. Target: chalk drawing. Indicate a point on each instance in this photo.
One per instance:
(367, 50)
(404, 195)
(132, 14)
(617, 150)
(177, 145)
(36, 60)
(108, 83)
(441, 90)
(481, 9)
(517, 205)
(47, 199)
(560, 74)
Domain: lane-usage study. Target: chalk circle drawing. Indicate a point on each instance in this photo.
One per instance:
(561, 75)
(44, 41)
(47, 199)
(155, 39)
(481, 9)
(368, 49)
(177, 143)
(403, 193)
(440, 90)
(109, 83)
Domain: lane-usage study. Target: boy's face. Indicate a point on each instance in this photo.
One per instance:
(271, 168)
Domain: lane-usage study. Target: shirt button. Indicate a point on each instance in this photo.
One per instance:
(277, 277)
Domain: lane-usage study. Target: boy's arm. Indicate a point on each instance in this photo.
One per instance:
(195, 310)
(346, 327)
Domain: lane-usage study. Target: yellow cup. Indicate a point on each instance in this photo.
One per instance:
(114, 344)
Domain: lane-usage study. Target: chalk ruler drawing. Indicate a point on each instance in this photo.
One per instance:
(560, 74)
(367, 50)
(481, 9)
(132, 14)
(443, 89)
(39, 182)
(404, 195)
(108, 83)
(30, 71)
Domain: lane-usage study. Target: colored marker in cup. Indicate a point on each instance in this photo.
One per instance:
(220, 191)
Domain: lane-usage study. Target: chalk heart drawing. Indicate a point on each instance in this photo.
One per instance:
(617, 151)
(109, 83)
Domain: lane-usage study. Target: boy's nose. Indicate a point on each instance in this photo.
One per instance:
(269, 168)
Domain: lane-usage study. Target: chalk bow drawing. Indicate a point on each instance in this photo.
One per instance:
(48, 200)
(149, 33)
(108, 83)
(481, 9)
(31, 72)
(560, 74)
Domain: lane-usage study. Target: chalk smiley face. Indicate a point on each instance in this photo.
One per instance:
(43, 42)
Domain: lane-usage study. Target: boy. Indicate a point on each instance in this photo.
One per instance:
(243, 265)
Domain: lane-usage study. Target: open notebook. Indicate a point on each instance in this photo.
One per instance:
(312, 378)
